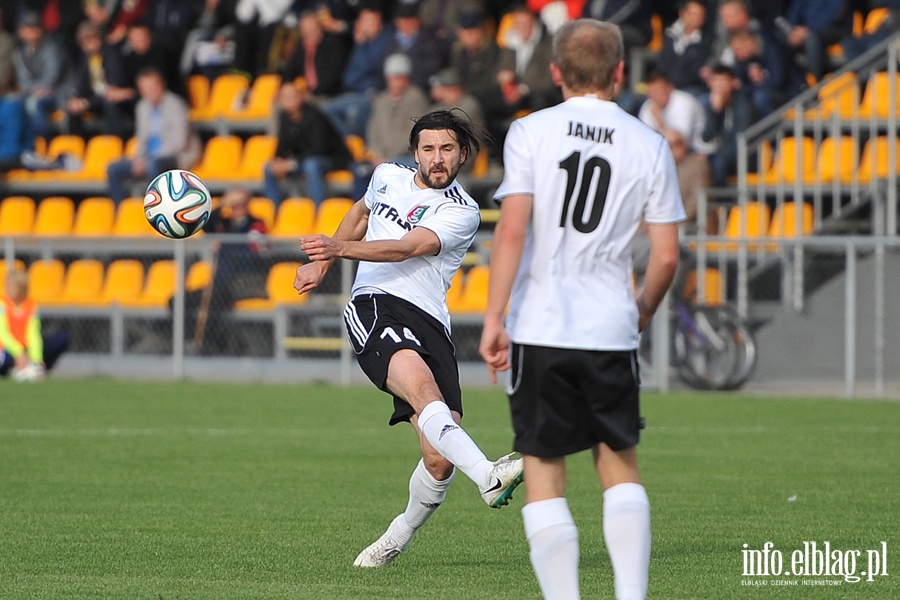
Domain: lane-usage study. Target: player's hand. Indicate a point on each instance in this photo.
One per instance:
(494, 349)
(321, 247)
(309, 276)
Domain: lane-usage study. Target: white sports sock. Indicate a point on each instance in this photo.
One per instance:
(626, 528)
(425, 496)
(454, 443)
(553, 539)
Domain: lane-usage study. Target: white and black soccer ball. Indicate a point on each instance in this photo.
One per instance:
(29, 373)
(177, 204)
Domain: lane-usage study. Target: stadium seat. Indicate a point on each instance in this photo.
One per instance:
(258, 150)
(784, 223)
(260, 99)
(45, 280)
(66, 144)
(130, 220)
(357, 147)
(874, 18)
(99, 152)
(82, 284)
(280, 290)
(330, 214)
(786, 166)
(712, 287)
(263, 208)
(756, 217)
(198, 93)
(454, 294)
(876, 101)
(16, 215)
(158, 288)
(55, 216)
(838, 159)
(839, 95)
(875, 161)
(17, 265)
(224, 95)
(221, 156)
(124, 281)
(198, 276)
(475, 291)
(296, 217)
(94, 217)
(130, 147)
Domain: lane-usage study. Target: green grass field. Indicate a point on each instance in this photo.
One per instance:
(161, 491)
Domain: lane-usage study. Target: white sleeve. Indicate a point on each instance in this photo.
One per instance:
(454, 224)
(664, 203)
(374, 184)
(518, 164)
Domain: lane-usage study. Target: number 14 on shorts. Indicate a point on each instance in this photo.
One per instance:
(389, 332)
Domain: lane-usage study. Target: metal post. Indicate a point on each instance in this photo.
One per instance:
(178, 312)
(879, 301)
(850, 322)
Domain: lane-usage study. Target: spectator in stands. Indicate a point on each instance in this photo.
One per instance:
(632, 17)
(12, 133)
(523, 76)
(765, 71)
(308, 145)
(556, 13)
(442, 17)
(171, 20)
(39, 66)
(393, 111)
(729, 112)
(165, 138)
(318, 56)
(362, 75)
(686, 47)
(209, 48)
(59, 18)
(257, 21)
(101, 84)
(693, 174)
(475, 55)
(24, 348)
(448, 92)
(424, 47)
(810, 26)
(7, 58)
(853, 46)
(143, 51)
(734, 15)
(239, 273)
(115, 17)
(667, 108)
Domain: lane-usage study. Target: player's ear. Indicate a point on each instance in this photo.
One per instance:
(555, 75)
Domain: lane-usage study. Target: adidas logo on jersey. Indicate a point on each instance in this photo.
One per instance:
(382, 189)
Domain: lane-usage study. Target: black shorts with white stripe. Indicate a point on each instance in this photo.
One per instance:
(379, 325)
(564, 401)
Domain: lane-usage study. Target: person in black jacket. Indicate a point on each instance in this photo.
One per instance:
(308, 145)
(319, 57)
(101, 85)
(687, 47)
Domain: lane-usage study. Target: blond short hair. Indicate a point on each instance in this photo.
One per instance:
(587, 53)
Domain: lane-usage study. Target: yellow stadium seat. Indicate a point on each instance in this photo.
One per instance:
(659, 34)
(874, 18)
(94, 217)
(158, 288)
(296, 217)
(875, 161)
(224, 95)
(16, 215)
(838, 158)
(45, 280)
(263, 208)
(357, 147)
(475, 292)
(220, 158)
(280, 290)
(258, 150)
(876, 101)
(786, 167)
(260, 98)
(130, 147)
(756, 217)
(55, 216)
(198, 93)
(330, 214)
(124, 281)
(99, 152)
(198, 276)
(454, 294)
(712, 290)
(839, 94)
(66, 144)
(784, 222)
(130, 220)
(82, 283)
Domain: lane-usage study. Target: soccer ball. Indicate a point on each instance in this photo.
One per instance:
(29, 373)
(177, 204)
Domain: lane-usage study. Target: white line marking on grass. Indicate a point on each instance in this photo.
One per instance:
(150, 432)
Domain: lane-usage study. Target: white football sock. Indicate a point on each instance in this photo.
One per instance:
(553, 539)
(626, 528)
(425, 496)
(454, 444)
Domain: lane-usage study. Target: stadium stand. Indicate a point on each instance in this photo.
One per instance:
(296, 217)
(17, 215)
(55, 216)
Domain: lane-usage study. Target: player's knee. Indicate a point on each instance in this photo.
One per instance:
(438, 467)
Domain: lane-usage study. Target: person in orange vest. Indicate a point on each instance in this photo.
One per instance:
(24, 350)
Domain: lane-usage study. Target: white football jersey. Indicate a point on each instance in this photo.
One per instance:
(396, 205)
(594, 172)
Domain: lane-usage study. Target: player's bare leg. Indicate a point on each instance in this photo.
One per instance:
(626, 520)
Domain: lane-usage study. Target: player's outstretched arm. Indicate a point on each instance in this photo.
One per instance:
(509, 241)
(418, 242)
(664, 252)
(353, 227)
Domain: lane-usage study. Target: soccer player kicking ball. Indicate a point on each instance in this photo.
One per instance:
(579, 179)
(418, 225)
